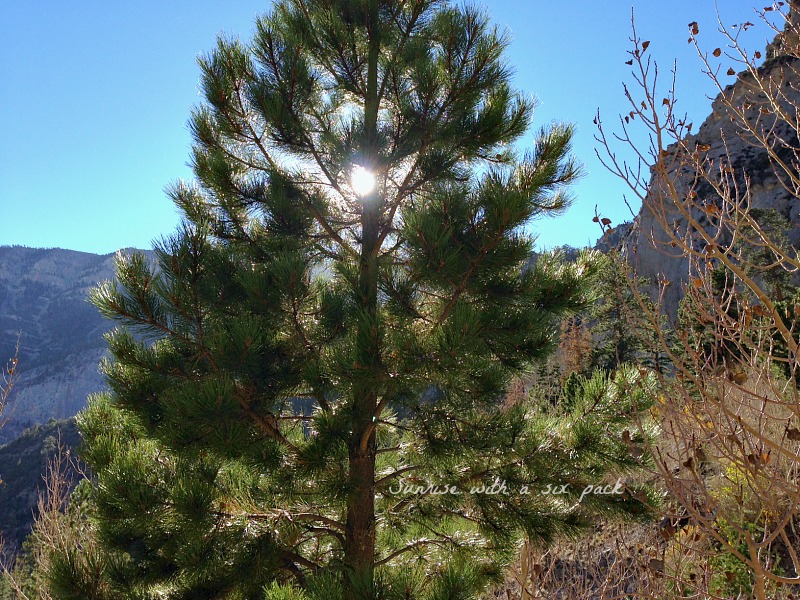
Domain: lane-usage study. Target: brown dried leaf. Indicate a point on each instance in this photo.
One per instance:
(759, 459)
(757, 54)
(695, 28)
(731, 71)
(738, 377)
(667, 529)
(656, 565)
(645, 45)
(717, 52)
(629, 62)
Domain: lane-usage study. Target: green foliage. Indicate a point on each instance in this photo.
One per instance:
(714, 344)
(303, 353)
(621, 327)
(278, 592)
(731, 576)
(760, 260)
(23, 462)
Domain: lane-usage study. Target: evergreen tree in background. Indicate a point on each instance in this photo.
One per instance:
(699, 325)
(309, 346)
(620, 326)
(760, 260)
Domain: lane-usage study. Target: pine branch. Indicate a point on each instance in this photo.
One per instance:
(412, 546)
(462, 286)
(329, 67)
(386, 478)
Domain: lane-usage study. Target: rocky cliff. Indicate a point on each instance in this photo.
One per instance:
(44, 307)
(646, 242)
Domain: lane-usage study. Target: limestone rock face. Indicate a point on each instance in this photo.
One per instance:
(44, 304)
(646, 242)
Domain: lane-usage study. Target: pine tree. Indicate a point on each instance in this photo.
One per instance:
(620, 324)
(759, 259)
(338, 319)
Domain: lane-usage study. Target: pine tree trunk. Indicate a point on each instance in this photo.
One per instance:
(360, 534)
(360, 537)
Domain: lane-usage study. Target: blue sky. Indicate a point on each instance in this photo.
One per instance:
(94, 99)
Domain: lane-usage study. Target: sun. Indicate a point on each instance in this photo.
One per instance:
(362, 181)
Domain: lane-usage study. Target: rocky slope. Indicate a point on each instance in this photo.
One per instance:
(645, 241)
(44, 308)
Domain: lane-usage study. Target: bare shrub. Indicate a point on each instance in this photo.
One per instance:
(729, 455)
(60, 528)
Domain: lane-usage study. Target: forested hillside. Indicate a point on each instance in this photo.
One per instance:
(23, 468)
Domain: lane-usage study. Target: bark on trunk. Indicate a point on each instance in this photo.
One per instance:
(359, 551)
(360, 535)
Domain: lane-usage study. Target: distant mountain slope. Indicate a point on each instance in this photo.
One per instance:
(23, 464)
(43, 303)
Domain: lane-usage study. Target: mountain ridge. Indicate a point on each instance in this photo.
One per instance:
(55, 333)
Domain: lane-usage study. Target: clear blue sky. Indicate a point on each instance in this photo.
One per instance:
(94, 99)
